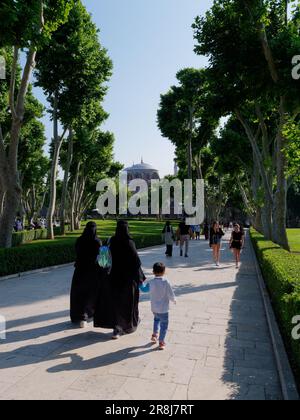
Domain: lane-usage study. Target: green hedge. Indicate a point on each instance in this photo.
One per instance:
(21, 238)
(281, 271)
(46, 254)
(26, 236)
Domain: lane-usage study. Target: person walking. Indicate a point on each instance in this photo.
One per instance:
(126, 275)
(206, 231)
(237, 242)
(85, 282)
(161, 294)
(215, 241)
(184, 234)
(169, 238)
(197, 232)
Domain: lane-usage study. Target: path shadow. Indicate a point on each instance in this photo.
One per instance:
(78, 363)
(35, 319)
(34, 333)
(66, 347)
(23, 356)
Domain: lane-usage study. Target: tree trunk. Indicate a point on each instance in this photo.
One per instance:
(9, 156)
(280, 201)
(198, 162)
(266, 218)
(53, 176)
(2, 197)
(255, 188)
(190, 141)
(62, 213)
(258, 221)
(12, 200)
(74, 197)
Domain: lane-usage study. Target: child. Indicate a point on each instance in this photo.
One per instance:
(161, 294)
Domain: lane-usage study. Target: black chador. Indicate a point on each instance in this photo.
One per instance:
(118, 303)
(87, 276)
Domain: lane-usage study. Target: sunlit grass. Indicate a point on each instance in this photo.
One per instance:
(106, 229)
(294, 239)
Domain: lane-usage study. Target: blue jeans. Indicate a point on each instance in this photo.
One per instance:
(162, 321)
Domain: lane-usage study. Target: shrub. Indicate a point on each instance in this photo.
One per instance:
(47, 253)
(21, 238)
(34, 256)
(26, 236)
(281, 272)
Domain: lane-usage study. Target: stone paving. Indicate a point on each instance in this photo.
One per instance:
(219, 347)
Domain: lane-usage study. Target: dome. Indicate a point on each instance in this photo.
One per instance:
(142, 171)
(141, 167)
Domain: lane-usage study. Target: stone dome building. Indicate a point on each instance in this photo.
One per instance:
(142, 171)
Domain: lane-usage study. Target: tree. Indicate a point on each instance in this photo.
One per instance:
(250, 46)
(72, 71)
(92, 161)
(24, 26)
(32, 162)
(182, 117)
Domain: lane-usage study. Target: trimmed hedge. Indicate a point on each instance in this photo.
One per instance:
(27, 236)
(47, 254)
(281, 271)
(34, 256)
(21, 238)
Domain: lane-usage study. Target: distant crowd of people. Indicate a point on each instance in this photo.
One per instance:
(213, 233)
(35, 224)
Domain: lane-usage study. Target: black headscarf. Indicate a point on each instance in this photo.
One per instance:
(122, 231)
(90, 232)
(87, 247)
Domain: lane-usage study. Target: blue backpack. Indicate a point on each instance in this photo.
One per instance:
(104, 258)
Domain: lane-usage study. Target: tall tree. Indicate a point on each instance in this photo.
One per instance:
(72, 71)
(25, 26)
(181, 116)
(250, 46)
(92, 161)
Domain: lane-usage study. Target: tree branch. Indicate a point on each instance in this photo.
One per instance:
(261, 28)
(257, 154)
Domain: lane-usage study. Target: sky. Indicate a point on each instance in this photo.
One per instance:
(148, 42)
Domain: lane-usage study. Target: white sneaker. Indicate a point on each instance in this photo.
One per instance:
(83, 324)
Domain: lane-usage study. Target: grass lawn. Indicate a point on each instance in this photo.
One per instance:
(106, 228)
(294, 238)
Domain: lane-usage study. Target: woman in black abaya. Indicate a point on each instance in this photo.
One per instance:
(87, 276)
(118, 306)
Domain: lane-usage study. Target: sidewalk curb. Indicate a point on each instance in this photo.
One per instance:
(286, 376)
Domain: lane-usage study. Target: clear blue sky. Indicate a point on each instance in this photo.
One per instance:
(148, 41)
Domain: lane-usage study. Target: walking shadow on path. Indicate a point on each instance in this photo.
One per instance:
(62, 348)
(78, 363)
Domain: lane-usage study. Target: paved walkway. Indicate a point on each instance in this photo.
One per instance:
(218, 346)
